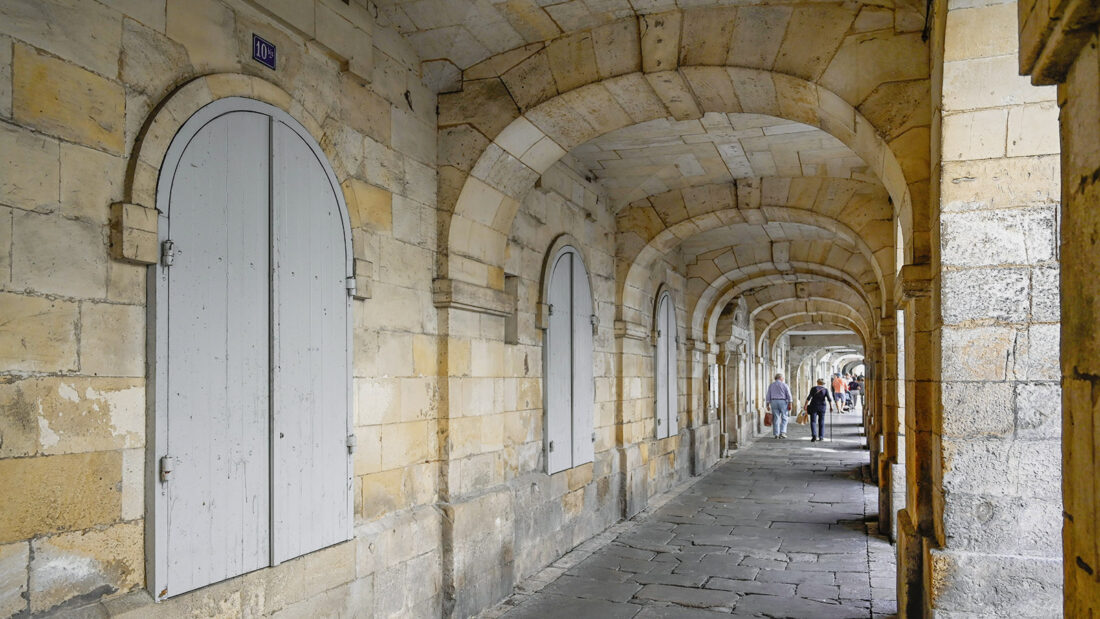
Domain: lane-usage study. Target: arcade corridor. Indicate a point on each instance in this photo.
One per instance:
(398, 309)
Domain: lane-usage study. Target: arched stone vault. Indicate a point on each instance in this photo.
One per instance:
(485, 181)
(652, 227)
(765, 318)
(836, 287)
(768, 299)
(712, 273)
(780, 325)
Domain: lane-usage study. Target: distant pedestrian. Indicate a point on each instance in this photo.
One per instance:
(816, 403)
(855, 388)
(840, 391)
(780, 401)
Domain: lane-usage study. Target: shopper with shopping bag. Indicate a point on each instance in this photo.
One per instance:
(780, 401)
(815, 406)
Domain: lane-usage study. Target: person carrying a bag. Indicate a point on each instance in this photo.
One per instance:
(816, 403)
(779, 399)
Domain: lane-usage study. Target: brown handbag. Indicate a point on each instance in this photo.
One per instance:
(767, 419)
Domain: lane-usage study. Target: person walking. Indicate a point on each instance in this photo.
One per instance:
(780, 400)
(855, 389)
(840, 391)
(815, 406)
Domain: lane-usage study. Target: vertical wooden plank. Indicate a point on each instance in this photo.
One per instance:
(672, 368)
(217, 376)
(558, 367)
(584, 388)
(661, 367)
(310, 353)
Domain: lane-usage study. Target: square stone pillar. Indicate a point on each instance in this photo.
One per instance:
(994, 441)
(1058, 45)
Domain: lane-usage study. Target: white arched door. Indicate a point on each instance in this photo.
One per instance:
(665, 368)
(569, 387)
(252, 370)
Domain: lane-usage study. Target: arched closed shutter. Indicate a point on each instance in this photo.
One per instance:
(569, 386)
(252, 349)
(665, 368)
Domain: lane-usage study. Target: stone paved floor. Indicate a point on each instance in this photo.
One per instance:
(784, 528)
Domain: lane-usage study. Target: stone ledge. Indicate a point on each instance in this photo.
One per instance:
(134, 233)
(1051, 38)
(634, 331)
(913, 282)
(457, 294)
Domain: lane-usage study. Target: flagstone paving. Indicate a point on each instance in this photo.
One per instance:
(783, 528)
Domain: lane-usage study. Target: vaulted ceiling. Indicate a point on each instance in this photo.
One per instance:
(794, 162)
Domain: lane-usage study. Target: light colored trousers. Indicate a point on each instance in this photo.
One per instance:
(779, 416)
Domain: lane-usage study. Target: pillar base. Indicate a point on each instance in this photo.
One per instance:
(704, 447)
(910, 567)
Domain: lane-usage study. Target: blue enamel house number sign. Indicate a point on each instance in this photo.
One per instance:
(263, 51)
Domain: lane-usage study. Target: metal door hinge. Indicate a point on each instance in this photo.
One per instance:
(167, 465)
(349, 283)
(550, 309)
(593, 437)
(551, 447)
(351, 442)
(167, 253)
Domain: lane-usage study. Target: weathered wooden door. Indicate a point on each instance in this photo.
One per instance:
(252, 375)
(584, 388)
(665, 369)
(570, 389)
(218, 355)
(559, 366)
(310, 353)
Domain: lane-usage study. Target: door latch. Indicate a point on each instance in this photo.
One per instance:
(167, 253)
(167, 465)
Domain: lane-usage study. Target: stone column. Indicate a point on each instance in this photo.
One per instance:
(702, 428)
(1058, 45)
(995, 449)
(888, 453)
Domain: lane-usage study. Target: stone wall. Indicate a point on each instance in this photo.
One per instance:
(452, 506)
(83, 90)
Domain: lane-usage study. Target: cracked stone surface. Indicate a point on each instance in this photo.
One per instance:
(783, 528)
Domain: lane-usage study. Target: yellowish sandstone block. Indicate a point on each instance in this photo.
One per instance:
(29, 171)
(37, 334)
(383, 492)
(64, 100)
(206, 29)
(369, 206)
(53, 494)
(112, 340)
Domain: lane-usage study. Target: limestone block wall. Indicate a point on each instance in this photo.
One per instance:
(1058, 45)
(994, 438)
(651, 465)
(83, 89)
